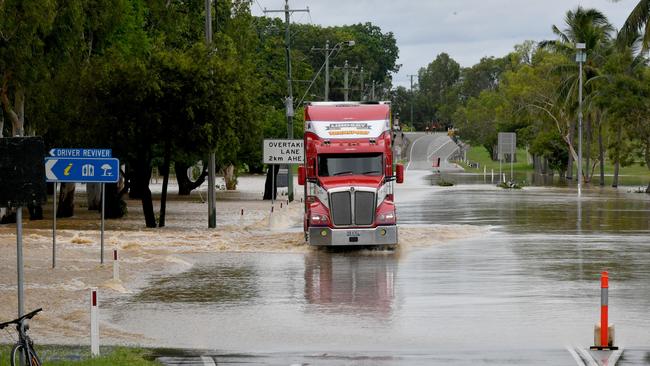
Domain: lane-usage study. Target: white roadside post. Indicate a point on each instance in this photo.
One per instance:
(94, 323)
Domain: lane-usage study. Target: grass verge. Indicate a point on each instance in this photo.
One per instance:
(80, 356)
(478, 154)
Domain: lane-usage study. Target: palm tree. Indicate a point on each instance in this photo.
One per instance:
(637, 24)
(591, 27)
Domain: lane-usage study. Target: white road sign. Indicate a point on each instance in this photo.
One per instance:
(507, 144)
(283, 152)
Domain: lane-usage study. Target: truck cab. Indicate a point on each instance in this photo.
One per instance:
(348, 174)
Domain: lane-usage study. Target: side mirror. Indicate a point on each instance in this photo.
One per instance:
(400, 173)
(301, 175)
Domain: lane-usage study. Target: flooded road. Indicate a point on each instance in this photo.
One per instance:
(519, 291)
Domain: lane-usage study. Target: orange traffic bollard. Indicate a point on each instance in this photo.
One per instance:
(604, 316)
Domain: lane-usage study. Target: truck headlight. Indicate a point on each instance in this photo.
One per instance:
(316, 219)
(386, 218)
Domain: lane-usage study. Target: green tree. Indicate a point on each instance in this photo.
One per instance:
(437, 91)
(24, 27)
(591, 27)
(621, 72)
(478, 121)
(485, 75)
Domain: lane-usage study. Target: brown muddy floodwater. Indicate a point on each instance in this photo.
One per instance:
(482, 276)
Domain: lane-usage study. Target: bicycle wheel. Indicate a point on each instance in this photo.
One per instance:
(18, 350)
(16, 353)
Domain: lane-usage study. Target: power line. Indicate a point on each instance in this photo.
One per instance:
(259, 6)
(289, 101)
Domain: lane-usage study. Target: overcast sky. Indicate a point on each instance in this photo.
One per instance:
(466, 29)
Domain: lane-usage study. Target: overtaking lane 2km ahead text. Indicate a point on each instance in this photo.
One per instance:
(283, 151)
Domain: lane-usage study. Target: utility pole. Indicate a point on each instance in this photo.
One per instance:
(361, 86)
(346, 79)
(212, 213)
(327, 51)
(327, 70)
(289, 101)
(411, 76)
(372, 94)
(346, 71)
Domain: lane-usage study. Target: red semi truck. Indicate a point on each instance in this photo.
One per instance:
(348, 174)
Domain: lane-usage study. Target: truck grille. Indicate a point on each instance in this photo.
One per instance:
(364, 207)
(343, 203)
(340, 206)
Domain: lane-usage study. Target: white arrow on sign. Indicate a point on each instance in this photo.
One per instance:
(49, 164)
(52, 152)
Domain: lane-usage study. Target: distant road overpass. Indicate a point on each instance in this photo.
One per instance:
(423, 148)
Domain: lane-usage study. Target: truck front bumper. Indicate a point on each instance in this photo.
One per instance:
(381, 235)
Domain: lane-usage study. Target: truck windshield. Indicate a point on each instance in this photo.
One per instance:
(350, 164)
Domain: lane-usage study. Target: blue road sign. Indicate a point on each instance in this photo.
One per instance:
(81, 153)
(77, 170)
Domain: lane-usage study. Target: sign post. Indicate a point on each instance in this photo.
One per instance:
(81, 166)
(102, 228)
(19, 260)
(54, 199)
(282, 152)
(507, 145)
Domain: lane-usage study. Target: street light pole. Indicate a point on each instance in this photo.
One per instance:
(580, 58)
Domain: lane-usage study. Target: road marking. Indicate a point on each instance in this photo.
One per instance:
(613, 359)
(411, 153)
(586, 356)
(208, 361)
(439, 147)
(575, 356)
